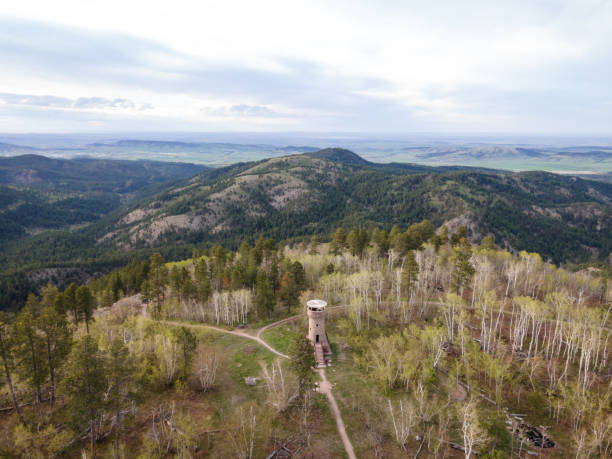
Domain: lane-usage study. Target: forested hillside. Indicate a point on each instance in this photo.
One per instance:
(441, 348)
(565, 219)
(38, 193)
(90, 174)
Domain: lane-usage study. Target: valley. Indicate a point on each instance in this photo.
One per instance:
(116, 218)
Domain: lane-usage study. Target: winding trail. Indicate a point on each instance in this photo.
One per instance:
(240, 333)
(325, 386)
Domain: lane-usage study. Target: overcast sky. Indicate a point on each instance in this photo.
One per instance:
(453, 66)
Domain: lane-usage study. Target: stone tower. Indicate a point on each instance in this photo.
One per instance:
(316, 331)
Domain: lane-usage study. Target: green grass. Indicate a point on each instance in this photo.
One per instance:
(280, 337)
(246, 360)
(241, 358)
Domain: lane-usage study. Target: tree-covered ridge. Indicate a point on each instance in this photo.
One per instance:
(300, 195)
(90, 174)
(25, 210)
(565, 219)
(38, 193)
(437, 343)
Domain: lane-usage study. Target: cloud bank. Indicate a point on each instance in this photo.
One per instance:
(396, 67)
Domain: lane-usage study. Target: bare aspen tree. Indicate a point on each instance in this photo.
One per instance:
(276, 385)
(243, 438)
(378, 285)
(490, 318)
(451, 307)
(171, 433)
(207, 365)
(363, 286)
(356, 311)
(473, 434)
(396, 286)
(601, 435)
(403, 420)
(216, 304)
(168, 353)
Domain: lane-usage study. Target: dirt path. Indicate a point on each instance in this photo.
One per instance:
(231, 332)
(325, 386)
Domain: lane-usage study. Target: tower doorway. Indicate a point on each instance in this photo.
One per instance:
(317, 338)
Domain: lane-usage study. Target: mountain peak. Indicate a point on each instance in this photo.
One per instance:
(339, 155)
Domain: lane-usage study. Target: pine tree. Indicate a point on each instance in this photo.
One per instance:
(488, 243)
(338, 242)
(443, 235)
(237, 276)
(461, 233)
(299, 276)
(108, 299)
(48, 295)
(33, 304)
(395, 236)
(302, 362)
(188, 343)
(31, 349)
(58, 304)
(217, 266)
(244, 252)
(274, 275)
(289, 292)
(462, 268)
(381, 238)
(58, 340)
(158, 276)
(202, 280)
(264, 297)
(314, 245)
(268, 248)
(115, 284)
(250, 275)
(70, 303)
(175, 282)
(7, 353)
(85, 304)
(120, 376)
(357, 240)
(410, 274)
(352, 241)
(84, 385)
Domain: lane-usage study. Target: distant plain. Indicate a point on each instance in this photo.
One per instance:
(579, 156)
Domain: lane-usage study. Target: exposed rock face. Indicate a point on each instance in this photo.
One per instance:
(467, 220)
(26, 177)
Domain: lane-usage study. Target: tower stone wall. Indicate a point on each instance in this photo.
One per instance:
(316, 325)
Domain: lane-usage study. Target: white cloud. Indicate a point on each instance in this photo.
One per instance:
(347, 65)
(82, 103)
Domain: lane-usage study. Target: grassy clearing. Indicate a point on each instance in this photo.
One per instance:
(280, 337)
(258, 323)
